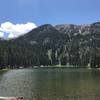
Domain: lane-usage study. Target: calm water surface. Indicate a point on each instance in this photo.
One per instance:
(51, 84)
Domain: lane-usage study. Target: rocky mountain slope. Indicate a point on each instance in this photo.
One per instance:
(65, 44)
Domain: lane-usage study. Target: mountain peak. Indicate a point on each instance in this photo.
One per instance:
(49, 45)
(96, 23)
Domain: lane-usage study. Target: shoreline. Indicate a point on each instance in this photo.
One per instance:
(39, 67)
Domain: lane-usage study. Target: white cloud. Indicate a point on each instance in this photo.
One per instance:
(10, 35)
(15, 30)
(1, 34)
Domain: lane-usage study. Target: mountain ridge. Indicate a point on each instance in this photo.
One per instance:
(65, 44)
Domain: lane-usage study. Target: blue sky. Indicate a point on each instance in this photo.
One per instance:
(50, 11)
(18, 17)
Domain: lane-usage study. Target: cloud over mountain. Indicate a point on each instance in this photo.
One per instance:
(1, 34)
(15, 30)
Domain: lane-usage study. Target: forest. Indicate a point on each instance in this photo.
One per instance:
(48, 45)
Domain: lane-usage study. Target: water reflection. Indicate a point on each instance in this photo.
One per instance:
(51, 84)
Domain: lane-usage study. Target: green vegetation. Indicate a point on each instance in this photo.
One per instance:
(64, 45)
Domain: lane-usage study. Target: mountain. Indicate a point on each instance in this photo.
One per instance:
(45, 34)
(65, 44)
(84, 43)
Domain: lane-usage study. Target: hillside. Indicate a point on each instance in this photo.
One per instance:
(64, 44)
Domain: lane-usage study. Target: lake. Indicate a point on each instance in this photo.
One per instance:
(51, 83)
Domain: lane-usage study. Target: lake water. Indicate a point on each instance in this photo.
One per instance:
(51, 83)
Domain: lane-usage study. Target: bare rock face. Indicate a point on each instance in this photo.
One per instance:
(71, 29)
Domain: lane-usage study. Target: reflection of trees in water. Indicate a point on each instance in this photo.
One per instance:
(51, 84)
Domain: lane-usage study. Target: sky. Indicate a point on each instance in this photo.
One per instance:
(38, 12)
